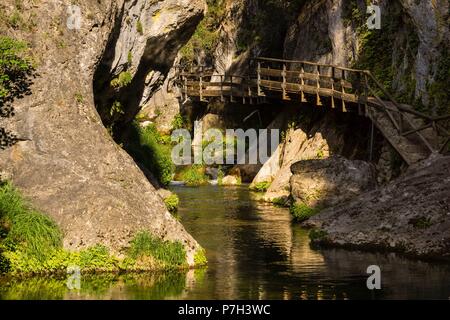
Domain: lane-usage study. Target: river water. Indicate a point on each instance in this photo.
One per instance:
(255, 251)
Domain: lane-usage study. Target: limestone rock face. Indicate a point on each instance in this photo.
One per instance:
(67, 164)
(330, 134)
(410, 215)
(328, 182)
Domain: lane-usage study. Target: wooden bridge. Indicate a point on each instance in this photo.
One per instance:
(413, 134)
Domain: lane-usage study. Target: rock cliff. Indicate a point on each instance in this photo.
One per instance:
(65, 161)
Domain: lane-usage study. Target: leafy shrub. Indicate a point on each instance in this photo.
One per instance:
(200, 258)
(172, 203)
(302, 212)
(194, 176)
(178, 122)
(15, 67)
(123, 80)
(261, 186)
(158, 157)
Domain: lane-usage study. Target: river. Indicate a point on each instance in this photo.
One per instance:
(255, 251)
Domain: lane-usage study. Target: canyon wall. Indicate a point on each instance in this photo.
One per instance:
(65, 160)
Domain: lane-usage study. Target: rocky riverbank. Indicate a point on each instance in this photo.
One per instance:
(410, 215)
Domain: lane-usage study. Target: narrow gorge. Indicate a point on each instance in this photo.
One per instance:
(92, 92)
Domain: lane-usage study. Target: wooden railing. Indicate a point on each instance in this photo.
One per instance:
(340, 85)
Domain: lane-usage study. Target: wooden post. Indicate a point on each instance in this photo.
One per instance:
(283, 86)
(185, 93)
(259, 79)
(201, 88)
(231, 89)
(221, 89)
(249, 88)
(333, 73)
(318, 102)
(344, 108)
(302, 84)
(366, 94)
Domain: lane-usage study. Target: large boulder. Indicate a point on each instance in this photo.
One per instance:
(324, 183)
(410, 215)
(66, 162)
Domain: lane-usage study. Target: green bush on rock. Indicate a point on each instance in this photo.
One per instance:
(31, 243)
(172, 203)
(261, 186)
(200, 258)
(302, 212)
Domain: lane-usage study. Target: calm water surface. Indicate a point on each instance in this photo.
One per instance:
(254, 252)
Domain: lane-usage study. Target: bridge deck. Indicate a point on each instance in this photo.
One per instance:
(413, 134)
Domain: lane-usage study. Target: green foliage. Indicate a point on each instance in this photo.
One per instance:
(15, 67)
(139, 27)
(130, 58)
(302, 212)
(318, 235)
(220, 176)
(156, 155)
(200, 258)
(123, 80)
(206, 36)
(280, 202)
(421, 223)
(439, 89)
(172, 203)
(170, 254)
(27, 229)
(116, 109)
(178, 122)
(31, 243)
(194, 175)
(261, 186)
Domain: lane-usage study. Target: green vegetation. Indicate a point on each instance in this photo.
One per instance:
(172, 203)
(194, 175)
(318, 235)
(123, 80)
(439, 89)
(130, 58)
(220, 176)
(116, 109)
(139, 27)
(171, 254)
(15, 68)
(280, 202)
(31, 243)
(261, 186)
(154, 152)
(302, 212)
(421, 223)
(206, 36)
(178, 122)
(200, 258)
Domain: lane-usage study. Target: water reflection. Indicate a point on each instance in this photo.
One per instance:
(254, 252)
